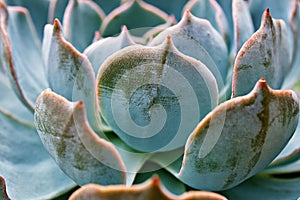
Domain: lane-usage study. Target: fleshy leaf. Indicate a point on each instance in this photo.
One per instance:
(266, 187)
(24, 160)
(11, 105)
(81, 20)
(212, 11)
(80, 153)
(99, 51)
(172, 8)
(291, 152)
(24, 67)
(226, 148)
(133, 14)
(152, 189)
(108, 6)
(70, 74)
(243, 25)
(57, 10)
(197, 38)
(3, 193)
(266, 54)
(146, 93)
(38, 11)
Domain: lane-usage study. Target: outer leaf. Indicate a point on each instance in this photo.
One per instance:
(99, 51)
(266, 187)
(146, 93)
(243, 25)
(24, 160)
(226, 149)
(24, 67)
(197, 38)
(38, 10)
(149, 190)
(266, 54)
(81, 19)
(133, 14)
(70, 74)
(212, 11)
(74, 146)
(11, 105)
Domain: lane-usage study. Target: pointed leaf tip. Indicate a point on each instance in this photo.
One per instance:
(213, 158)
(3, 193)
(149, 190)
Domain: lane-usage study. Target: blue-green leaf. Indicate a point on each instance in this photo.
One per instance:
(212, 11)
(99, 51)
(133, 14)
(146, 93)
(266, 187)
(197, 38)
(70, 74)
(243, 25)
(227, 148)
(81, 20)
(38, 10)
(22, 59)
(265, 54)
(24, 160)
(76, 148)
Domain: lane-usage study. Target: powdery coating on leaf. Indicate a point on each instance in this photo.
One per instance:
(153, 97)
(79, 152)
(6, 63)
(3, 194)
(212, 11)
(265, 54)
(81, 19)
(133, 14)
(150, 190)
(256, 128)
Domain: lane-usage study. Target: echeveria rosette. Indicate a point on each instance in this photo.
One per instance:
(70, 130)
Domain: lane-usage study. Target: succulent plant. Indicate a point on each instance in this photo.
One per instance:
(195, 94)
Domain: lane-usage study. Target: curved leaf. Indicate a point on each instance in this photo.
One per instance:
(152, 189)
(24, 160)
(38, 11)
(24, 68)
(266, 187)
(212, 11)
(169, 7)
(146, 93)
(99, 51)
(81, 20)
(133, 14)
(226, 148)
(70, 74)
(79, 152)
(197, 38)
(242, 21)
(266, 54)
